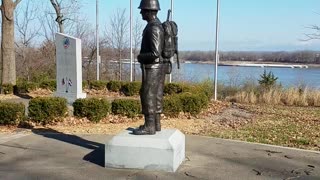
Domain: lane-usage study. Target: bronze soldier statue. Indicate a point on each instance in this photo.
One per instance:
(153, 68)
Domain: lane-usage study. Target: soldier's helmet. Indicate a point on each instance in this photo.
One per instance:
(150, 5)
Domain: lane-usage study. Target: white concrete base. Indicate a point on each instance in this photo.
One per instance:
(71, 97)
(164, 151)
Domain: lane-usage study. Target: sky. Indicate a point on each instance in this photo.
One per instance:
(245, 25)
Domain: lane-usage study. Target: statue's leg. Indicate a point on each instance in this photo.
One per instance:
(158, 122)
(148, 99)
(142, 92)
(162, 76)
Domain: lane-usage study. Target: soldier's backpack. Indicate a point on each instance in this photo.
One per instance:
(170, 47)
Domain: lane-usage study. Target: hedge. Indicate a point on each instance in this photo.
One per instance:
(11, 113)
(46, 109)
(50, 84)
(26, 87)
(6, 89)
(85, 85)
(192, 103)
(131, 88)
(172, 88)
(98, 85)
(114, 86)
(172, 106)
(126, 107)
(94, 109)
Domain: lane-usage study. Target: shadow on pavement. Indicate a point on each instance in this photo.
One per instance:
(96, 156)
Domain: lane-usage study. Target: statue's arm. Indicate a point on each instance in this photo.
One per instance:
(155, 37)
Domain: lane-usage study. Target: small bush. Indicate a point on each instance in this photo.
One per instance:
(268, 80)
(6, 89)
(94, 109)
(11, 113)
(98, 85)
(207, 88)
(114, 86)
(37, 76)
(26, 87)
(193, 103)
(49, 84)
(125, 107)
(172, 106)
(131, 88)
(85, 85)
(172, 88)
(46, 110)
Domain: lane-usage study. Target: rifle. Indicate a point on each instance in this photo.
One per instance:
(177, 52)
(175, 40)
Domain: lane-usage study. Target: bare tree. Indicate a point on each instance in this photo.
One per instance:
(314, 35)
(116, 35)
(49, 26)
(7, 42)
(23, 19)
(137, 37)
(65, 10)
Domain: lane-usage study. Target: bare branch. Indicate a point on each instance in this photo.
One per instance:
(16, 3)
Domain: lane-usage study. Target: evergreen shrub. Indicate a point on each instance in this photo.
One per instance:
(131, 88)
(85, 85)
(11, 113)
(126, 107)
(172, 88)
(114, 86)
(98, 85)
(46, 109)
(50, 84)
(193, 103)
(172, 106)
(92, 108)
(26, 87)
(6, 89)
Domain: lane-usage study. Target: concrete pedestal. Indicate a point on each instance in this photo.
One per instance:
(164, 151)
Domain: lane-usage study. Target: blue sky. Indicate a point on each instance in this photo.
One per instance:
(246, 25)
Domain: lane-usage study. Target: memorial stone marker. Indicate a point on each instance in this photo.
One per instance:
(69, 68)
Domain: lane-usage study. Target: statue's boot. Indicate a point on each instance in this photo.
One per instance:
(157, 122)
(148, 128)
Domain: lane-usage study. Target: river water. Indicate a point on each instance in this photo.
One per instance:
(235, 75)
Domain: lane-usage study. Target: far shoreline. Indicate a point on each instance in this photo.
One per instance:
(234, 63)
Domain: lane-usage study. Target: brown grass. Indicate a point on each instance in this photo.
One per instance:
(278, 96)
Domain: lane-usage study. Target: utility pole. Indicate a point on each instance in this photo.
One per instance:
(217, 52)
(131, 54)
(97, 40)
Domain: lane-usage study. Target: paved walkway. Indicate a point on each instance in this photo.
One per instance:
(61, 156)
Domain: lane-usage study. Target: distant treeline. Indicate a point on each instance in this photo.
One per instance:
(312, 57)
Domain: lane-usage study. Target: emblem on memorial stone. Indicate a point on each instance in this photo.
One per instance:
(66, 43)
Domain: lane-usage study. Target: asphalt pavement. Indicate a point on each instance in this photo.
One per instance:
(61, 156)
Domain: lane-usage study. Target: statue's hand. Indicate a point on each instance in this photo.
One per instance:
(140, 59)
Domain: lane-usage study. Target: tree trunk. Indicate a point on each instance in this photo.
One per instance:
(120, 68)
(7, 43)
(59, 19)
